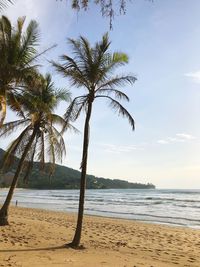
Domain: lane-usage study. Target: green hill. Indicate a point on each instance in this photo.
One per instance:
(64, 178)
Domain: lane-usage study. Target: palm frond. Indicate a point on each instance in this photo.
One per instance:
(71, 71)
(6, 30)
(120, 109)
(38, 55)
(56, 119)
(119, 80)
(15, 149)
(10, 127)
(29, 42)
(118, 94)
(86, 51)
(62, 95)
(72, 112)
(104, 44)
(13, 99)
(77, 50)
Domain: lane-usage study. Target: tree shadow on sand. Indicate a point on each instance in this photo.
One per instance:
(65, 246)
(34, 249)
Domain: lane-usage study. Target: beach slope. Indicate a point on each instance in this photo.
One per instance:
(36, 238)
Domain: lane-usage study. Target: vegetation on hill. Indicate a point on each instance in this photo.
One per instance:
(65, 178)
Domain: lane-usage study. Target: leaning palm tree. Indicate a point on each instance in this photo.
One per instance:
(40, 139)
(92, 69)
(17, 55)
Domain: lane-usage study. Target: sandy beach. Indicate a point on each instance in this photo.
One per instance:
(36, 238)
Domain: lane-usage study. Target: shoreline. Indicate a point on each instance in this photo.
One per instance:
(160, 207)
(73, 213)
(113, 217)
(38, 235)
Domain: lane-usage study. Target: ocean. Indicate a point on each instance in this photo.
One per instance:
(172, 207)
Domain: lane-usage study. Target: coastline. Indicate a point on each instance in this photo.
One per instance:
(37, 235)
(181, 208)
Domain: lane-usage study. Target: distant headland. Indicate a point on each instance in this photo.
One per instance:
(65, 178)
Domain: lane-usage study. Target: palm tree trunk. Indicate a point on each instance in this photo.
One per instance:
(5, 207)
(3, 109)
(77, 237)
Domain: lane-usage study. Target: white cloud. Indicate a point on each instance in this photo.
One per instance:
(185, 136)
(163, 142)
(118, 149)
(195, 76)
(172, 139)
(180, 137)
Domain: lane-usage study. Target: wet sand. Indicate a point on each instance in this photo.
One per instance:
(37, 238)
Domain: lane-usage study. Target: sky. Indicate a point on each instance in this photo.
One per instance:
(162, 40)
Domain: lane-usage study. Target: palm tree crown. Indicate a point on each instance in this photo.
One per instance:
(18, 52)
(92, 68)
(38, 103)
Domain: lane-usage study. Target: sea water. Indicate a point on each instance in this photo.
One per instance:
(174, 207)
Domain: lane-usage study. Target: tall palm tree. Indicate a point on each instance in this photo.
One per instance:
(92, 69)
(17, 55)
(39, 139)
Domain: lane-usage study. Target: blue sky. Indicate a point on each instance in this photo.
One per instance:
(162, 40)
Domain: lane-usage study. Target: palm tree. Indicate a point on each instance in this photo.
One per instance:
(17, 54)
(39, 138)
(92, 68)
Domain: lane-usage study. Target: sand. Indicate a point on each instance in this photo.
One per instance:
(36, 238)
